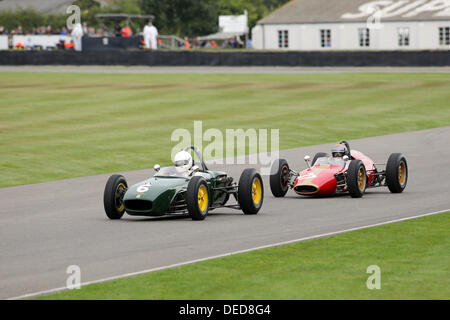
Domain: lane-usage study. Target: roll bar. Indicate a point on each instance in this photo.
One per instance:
(347, 145)
(197, 152)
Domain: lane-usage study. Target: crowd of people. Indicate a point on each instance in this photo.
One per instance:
(150, 36)
(231, 43)
(49, 30)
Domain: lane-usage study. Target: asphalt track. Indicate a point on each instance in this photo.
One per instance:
(221, 70)
(46, 227)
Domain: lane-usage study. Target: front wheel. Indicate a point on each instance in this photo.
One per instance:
(279, 178)
(115, 190)
(396, 173)
(250, 191)
(356, 179)
(197, 198)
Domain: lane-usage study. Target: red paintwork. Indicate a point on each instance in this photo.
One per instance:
(322, 176)
(368, 163)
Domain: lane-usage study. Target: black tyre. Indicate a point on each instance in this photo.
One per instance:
(197, 198)
(115, 190)
(356, 179)
(396, 173)
(250, 191)
(317, 156)
(279, 178)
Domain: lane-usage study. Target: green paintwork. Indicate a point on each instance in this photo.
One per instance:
(162, 191)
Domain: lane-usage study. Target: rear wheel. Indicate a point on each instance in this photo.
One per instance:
(115, 190)
(250, 191)
(319, 155)
(396, 173)
(356, 179)
(197, 198)
(279, 178)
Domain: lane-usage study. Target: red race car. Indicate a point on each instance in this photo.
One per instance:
(344, 171)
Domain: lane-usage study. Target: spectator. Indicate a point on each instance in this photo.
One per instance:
(70, 45)
(91, 32)
(100, 33)
(77, 35)
(117, 30)
(150, 36)
(126, 32)
(187, 44)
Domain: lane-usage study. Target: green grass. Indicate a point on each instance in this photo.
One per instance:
(414, 258)
(57, 125)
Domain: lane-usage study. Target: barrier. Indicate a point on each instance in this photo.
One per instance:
(110, 43)
(250, 58)
(3, 42)
(44, 41)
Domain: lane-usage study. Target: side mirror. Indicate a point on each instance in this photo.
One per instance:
(157, 167)
(307, 160)
(346, 158)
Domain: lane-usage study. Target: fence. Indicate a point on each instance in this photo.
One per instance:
(43, 41)
(110, 43)
(171, 42)
(226, 58)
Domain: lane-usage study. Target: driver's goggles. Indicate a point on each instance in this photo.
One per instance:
(181, 163)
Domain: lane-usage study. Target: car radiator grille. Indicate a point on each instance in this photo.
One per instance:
(178, 204)
(306, 189)
(139, 205)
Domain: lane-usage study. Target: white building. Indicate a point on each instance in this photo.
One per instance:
(356, 25)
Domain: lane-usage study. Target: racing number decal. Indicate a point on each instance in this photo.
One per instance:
(144, 188)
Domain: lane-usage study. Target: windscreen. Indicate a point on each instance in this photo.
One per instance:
(172, 172)
(330, 161)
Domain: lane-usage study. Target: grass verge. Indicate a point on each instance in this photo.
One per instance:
(62, 125)
(414, 257)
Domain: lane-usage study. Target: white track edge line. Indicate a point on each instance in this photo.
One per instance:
(132, 274)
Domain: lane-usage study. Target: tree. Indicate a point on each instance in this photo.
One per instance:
(128, 6)
(29, 18)
(180, 17)
(183, 17)
(271, 5)
(200, 17)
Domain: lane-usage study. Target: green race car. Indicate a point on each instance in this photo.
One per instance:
(189, 187)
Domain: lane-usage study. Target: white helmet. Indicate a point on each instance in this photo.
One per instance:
(183, 160)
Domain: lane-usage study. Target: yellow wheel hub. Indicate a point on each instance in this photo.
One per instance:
(120, 206)
(361, 179)
(202, 198)
(256, 191)
(402, 173)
